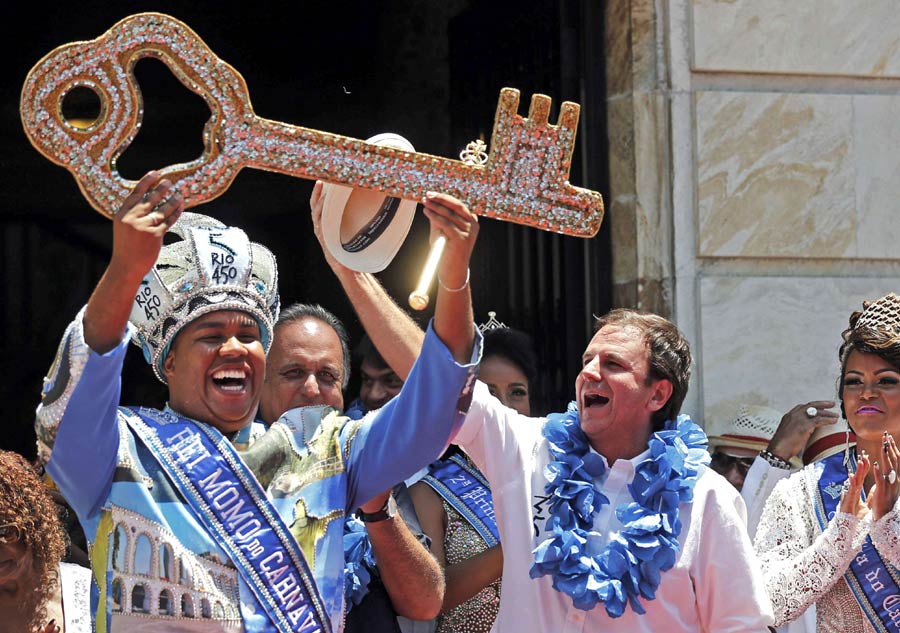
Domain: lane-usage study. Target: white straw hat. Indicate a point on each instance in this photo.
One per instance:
(364, 229)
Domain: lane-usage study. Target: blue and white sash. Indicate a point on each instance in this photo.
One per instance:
(467, 492)
(873, 581)
(230, 503)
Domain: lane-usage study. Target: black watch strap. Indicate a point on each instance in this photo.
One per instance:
(387, 511)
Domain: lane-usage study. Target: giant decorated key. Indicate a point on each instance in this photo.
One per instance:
(524, 180)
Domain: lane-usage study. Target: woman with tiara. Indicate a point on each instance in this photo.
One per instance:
(453, 501)
(830, 534)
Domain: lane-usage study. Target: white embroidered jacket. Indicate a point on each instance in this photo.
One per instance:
(803, 565)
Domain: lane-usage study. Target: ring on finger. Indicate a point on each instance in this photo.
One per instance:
(811, 412)
(892, 477)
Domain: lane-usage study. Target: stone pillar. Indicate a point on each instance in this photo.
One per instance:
(639, 205)
(754, 180)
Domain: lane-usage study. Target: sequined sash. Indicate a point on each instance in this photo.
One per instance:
(230, 503)
(874, 582)
(467, 492)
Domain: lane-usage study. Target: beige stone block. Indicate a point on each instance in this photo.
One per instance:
(617, 47)
(774, 340)
(623, 239)
(620, 136)
(830, 37)
(631, 46)
(876, 121)
(775, 175)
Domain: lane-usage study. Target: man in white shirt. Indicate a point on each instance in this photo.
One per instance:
(596, 528)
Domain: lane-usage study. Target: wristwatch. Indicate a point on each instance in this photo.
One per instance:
(387, 511)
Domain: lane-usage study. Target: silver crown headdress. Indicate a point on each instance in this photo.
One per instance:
(213, 267)
(492, 323)
(881, 314)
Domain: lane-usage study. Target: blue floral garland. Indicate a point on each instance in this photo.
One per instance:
(629, 567)
(359, 562)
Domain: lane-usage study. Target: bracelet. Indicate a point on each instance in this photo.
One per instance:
(774, 460)
(461, 288)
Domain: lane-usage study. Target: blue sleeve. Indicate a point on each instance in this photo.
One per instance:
(413, 429)
(87, 443)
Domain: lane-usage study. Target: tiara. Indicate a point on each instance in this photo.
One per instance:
(492, 323)
(881, 314)
(213, 267)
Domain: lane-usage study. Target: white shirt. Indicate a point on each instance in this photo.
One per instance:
(758, 485)
(715, 585)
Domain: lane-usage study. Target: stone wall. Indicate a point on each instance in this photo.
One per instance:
(754, 182)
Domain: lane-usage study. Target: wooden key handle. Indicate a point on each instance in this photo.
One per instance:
(106, 66)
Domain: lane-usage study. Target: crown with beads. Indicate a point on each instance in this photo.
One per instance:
(881, 314)
(213, 267)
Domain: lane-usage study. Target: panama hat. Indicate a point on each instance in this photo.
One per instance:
(364, 229)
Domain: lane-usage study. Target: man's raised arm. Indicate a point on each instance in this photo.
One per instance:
(138, 230)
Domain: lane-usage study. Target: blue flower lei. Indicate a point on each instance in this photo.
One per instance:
(359, 562)
(629, 567)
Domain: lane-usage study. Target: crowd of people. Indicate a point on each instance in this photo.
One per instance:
(438, 499)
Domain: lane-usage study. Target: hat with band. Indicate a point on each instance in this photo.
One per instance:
(364, 229)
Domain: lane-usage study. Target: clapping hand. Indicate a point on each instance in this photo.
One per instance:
(883, 494)
(851, 499)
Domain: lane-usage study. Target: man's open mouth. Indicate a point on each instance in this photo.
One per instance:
(231, 380)
(594, 399)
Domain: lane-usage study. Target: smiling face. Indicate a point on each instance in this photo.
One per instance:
(506, 382)
(215, 370)
(305, 369)
(870, 389)
(377, 385)
(615, 396)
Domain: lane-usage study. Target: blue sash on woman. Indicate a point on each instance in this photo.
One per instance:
(873, 581)
(467, 492)
(230, 503)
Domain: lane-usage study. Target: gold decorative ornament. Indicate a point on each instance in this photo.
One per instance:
(524, 179)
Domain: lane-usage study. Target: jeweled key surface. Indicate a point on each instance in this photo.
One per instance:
(525, 178)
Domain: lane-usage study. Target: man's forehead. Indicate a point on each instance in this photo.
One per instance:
(616, 337)
(308, 339)
(222, 318)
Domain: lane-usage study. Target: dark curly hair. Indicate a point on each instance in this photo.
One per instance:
(26, 503)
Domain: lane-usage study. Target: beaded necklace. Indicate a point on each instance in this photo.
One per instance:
(630, 565)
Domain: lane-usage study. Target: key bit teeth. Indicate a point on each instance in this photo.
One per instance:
(509, 102)
(539, 112)
(568, 115)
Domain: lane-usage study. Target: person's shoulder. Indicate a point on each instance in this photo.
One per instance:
(712, 484)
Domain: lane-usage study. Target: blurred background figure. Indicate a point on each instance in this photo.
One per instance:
(38, 592)
(378, 382)
(737, 443)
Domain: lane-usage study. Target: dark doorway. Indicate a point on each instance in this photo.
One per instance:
(431, 71)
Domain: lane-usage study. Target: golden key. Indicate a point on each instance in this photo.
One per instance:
(525, 178)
